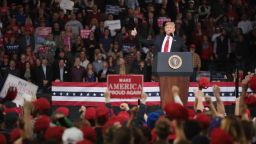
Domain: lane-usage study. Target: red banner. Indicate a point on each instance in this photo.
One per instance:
(125, 86)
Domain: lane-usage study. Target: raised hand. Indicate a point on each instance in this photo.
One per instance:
(246, 80)
(144, 97)
(107, 96)
(124, 106)
(198, 93)
(175, 90)
(208, 99)
(216, 90)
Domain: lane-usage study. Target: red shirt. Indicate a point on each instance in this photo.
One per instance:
(206, 51)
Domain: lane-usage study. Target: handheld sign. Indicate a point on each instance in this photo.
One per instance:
(85, 33)
(26, 90)
(66, 5)
(125, 86)
(161, 20)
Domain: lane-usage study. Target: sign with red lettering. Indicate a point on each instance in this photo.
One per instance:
(125, 86)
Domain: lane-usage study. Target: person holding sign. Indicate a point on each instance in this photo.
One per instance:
(165, 43)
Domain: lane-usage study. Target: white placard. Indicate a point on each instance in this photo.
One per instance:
(112, 24)
(66, 5)
(26, 90)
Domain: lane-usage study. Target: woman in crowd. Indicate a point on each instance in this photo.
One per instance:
(91, 75)
(27, 73)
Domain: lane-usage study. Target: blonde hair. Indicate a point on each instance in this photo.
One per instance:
(169, 23)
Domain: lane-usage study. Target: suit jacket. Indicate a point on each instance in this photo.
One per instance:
(23, 42)
(66, 74)
(177, 44)
(103, 79)
(39, 76)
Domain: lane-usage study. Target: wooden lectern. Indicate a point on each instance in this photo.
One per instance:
(173, 68)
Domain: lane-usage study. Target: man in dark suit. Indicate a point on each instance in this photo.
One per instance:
(27, 40)
(43, 76)
(169, 42)
(166, 43)
(102, 74)
(61, 73)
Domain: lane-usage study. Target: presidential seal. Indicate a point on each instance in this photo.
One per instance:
(175, 61)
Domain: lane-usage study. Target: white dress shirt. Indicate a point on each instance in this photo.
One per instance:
(170, 43)
(61, 74)
(44, 69)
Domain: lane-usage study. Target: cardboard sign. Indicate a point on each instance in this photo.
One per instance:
(112, 9)
(125, 86)
(85, 33)
(26, 90)
(66, 5)
(112, 24)
(43, 31)
(161, 20)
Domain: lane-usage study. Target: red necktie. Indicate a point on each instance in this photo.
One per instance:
(166, 45)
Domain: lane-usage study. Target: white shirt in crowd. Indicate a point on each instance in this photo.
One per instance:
(84, 63)
(61, 74)
(245, 25)
(44, 70)
(214, 36)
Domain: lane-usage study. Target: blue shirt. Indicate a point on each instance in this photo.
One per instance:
(106, 43)
(97, 66)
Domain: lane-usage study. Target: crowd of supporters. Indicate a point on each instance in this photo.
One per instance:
(205, 123)
(41, 42)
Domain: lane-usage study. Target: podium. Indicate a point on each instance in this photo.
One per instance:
(173, 68)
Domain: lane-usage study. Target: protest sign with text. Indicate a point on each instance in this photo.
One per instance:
(112, 25)
(85, 33)
(66, 5)
(125, 86)
(24, 88)
(112, 9)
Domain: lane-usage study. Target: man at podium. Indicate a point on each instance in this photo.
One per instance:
(172, 63)
(168, 42)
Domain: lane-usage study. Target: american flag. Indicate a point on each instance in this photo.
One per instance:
(92, 94)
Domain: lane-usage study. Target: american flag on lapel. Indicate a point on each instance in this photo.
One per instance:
(92, 94)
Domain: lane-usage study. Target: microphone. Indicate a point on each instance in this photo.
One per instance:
(171, 34)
